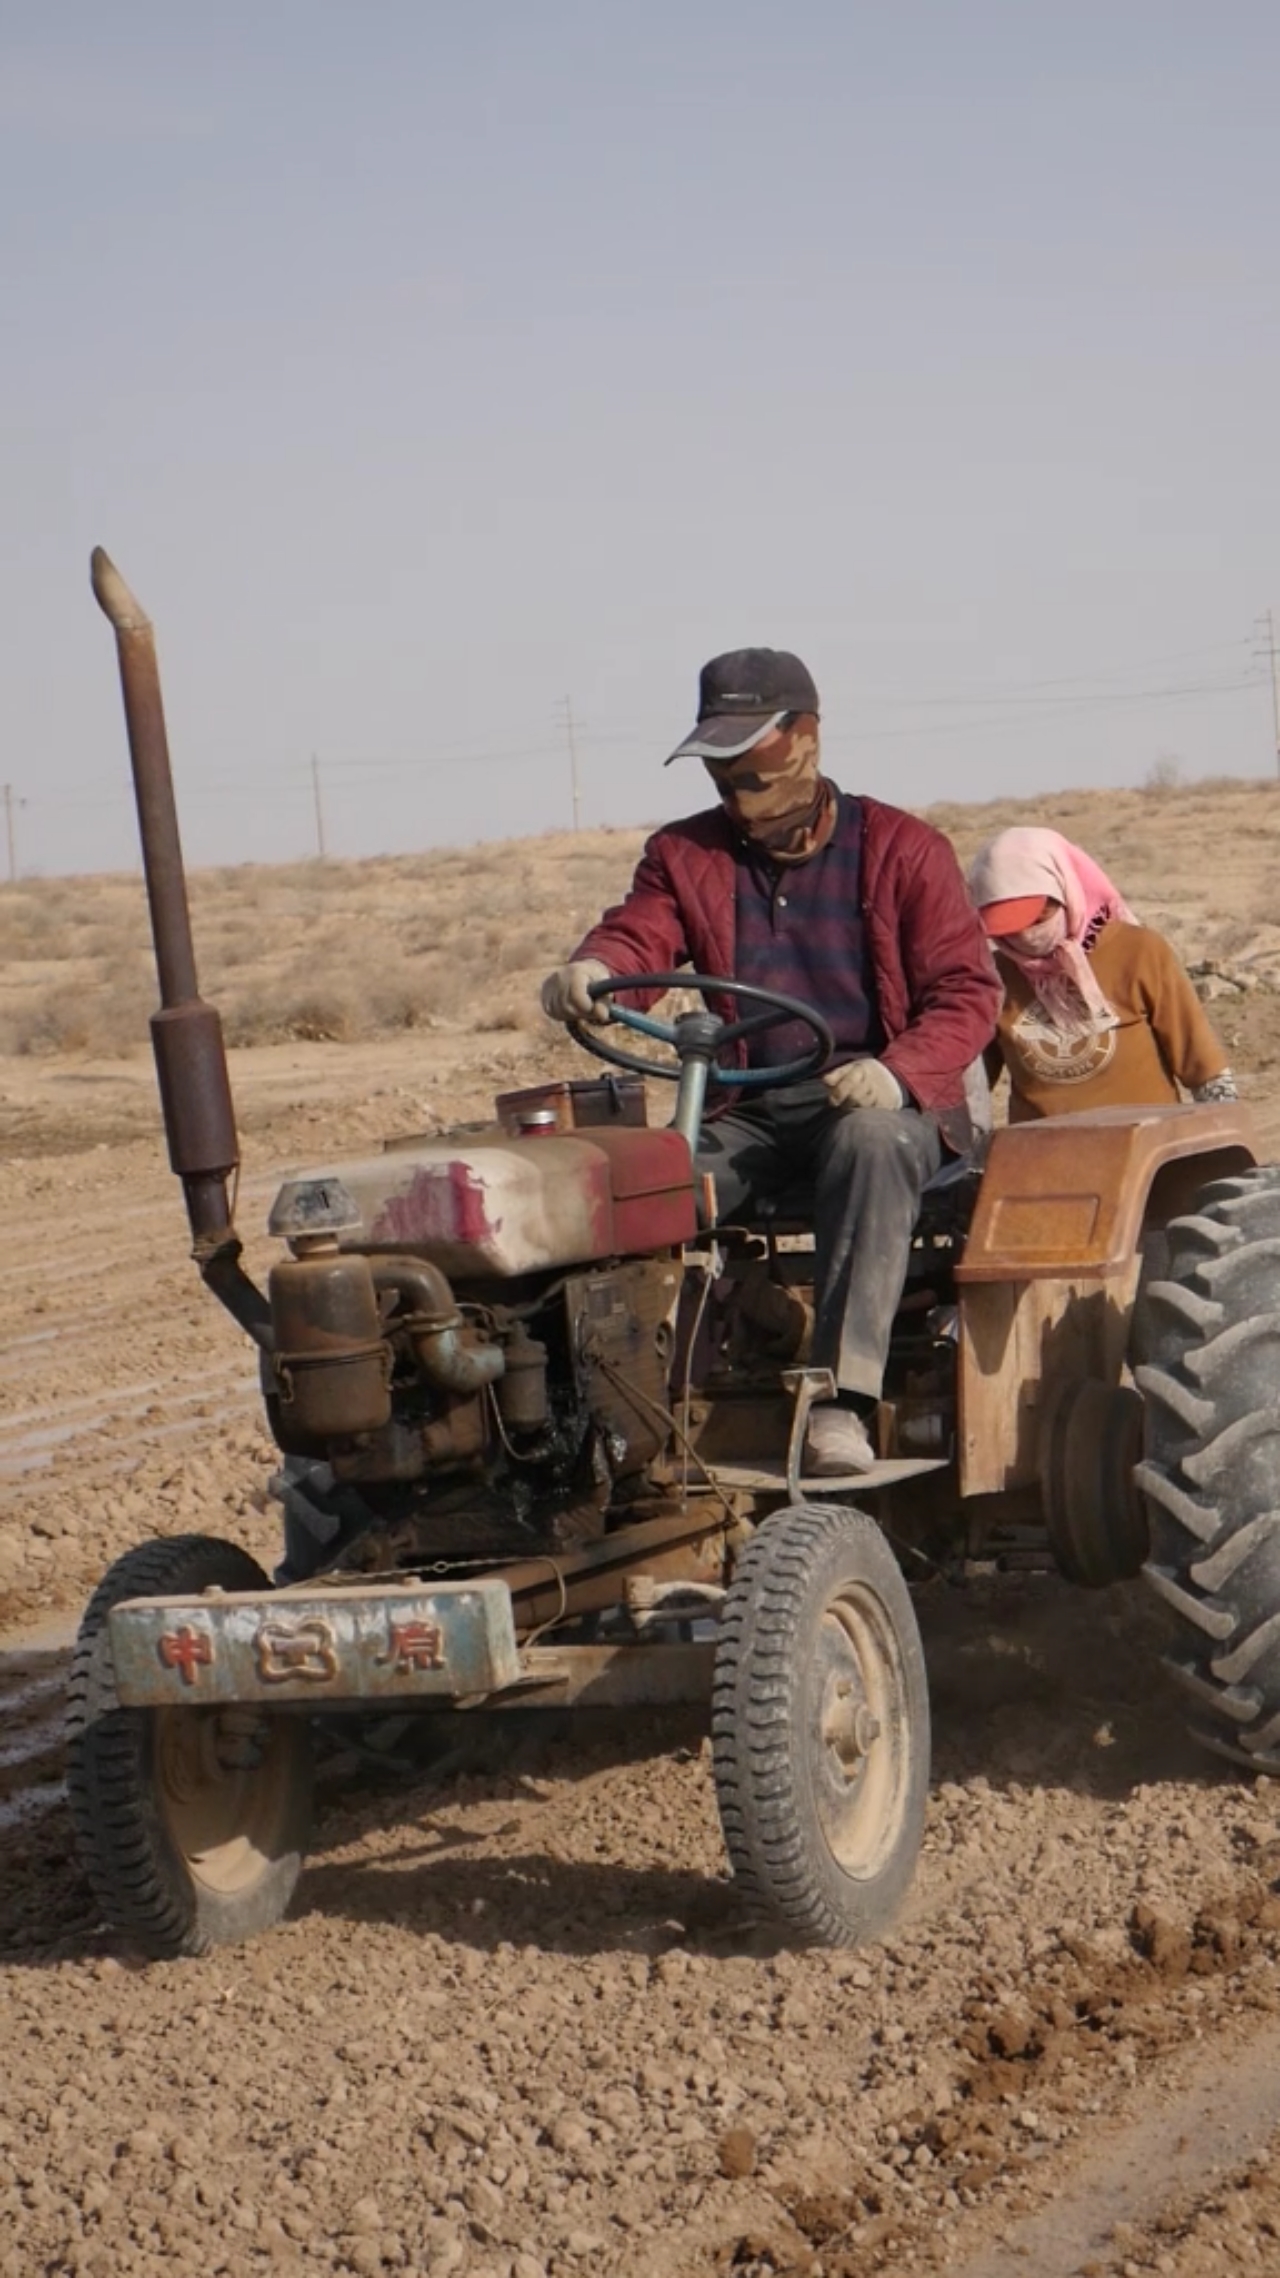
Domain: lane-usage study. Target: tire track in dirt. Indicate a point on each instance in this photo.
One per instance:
(1048, 2105)
(130, 1405)
(1226, 2109)
(125, 1399)
(32, 1695)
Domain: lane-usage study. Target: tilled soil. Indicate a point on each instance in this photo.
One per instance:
(516, 2022)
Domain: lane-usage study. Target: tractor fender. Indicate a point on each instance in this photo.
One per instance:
(1053, 1260)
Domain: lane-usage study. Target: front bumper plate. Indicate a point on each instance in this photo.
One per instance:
(453, 1641)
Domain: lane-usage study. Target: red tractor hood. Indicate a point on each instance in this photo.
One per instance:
(487, 1203)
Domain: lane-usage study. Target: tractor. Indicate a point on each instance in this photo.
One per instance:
(541, 1417)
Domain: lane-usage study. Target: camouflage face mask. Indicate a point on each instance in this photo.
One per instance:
(775, 794)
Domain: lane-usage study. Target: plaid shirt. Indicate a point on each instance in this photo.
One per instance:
(800, 931)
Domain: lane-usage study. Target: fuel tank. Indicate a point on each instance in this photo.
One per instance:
(490, 1203)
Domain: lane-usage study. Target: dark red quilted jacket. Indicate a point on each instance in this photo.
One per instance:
(936, 984)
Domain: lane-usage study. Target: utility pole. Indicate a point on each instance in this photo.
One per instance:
(8, 826)
(319, 806)
(1268, 624)
(572, 741)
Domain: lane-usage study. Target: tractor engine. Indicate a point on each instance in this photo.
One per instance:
(378, 1367)
(496, 1408)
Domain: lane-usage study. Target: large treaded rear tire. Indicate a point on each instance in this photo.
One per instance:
(820, 1726)
(1211, 1472)
(191, 1822)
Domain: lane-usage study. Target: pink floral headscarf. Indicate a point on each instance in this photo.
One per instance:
(1030, 861)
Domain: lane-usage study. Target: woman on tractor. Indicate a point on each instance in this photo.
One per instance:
(1098, 1011)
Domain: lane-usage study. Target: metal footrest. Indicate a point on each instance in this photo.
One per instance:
(764, 1477)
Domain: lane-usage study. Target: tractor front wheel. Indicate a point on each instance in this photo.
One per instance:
(1211, 1473)
(820, 1726)
(191, 1822)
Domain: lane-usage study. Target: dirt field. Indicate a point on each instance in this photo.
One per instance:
(514, 2024)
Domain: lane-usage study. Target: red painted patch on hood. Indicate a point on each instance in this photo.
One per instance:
(445, 1202)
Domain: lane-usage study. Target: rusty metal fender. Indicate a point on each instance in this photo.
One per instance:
(1052, 1262)
(1068, 1194)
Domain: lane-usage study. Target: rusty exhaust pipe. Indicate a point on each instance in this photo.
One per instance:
(186, 1033)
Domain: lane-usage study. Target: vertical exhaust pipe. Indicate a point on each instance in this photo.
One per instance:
(186, 1033)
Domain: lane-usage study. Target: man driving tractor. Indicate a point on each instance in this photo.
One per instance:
(858, 910)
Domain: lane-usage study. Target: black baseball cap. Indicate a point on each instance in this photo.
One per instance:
(742, 695)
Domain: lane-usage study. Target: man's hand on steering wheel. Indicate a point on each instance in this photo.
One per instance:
(696, 1035)
(566, 993)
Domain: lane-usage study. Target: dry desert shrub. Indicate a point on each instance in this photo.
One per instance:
(31, 929)
(56, 1020)
(318, 1013)
(327, 1005)
(71, 1002)
(1161, 777)
(508, 1019)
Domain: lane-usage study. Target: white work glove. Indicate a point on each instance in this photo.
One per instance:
(1221, 1086)
(864, 1083)
(564, 992)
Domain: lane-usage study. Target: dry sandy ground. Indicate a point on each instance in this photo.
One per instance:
(514, 2024)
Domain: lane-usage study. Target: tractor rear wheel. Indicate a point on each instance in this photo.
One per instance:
(1211, 1473)
(191, 1822)
(820, 1726)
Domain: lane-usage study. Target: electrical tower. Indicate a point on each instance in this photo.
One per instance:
(319, 806)
(1267, 635)
(572, 742)
(6, 792)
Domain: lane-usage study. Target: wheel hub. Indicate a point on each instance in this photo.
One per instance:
(219, 1779)
(850, 1727)
(863, 1752)
(1096, 1520)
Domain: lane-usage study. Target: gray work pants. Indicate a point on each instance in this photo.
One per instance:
(867, 1168)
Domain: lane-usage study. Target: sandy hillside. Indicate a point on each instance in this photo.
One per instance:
(514, 2024)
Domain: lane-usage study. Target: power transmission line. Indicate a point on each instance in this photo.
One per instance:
(1024, 720)
(1018, 707)
(1017, 712)
(1101, 680)
(1100, 698)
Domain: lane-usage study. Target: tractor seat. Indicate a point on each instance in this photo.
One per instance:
(946, 1206)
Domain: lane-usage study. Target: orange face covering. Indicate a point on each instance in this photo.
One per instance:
(775, 794)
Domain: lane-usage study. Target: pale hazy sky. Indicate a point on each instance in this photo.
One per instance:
(421, 365)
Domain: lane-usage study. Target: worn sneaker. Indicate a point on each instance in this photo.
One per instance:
(835, 1443)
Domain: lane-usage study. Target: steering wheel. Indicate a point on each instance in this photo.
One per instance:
(703, 1036)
